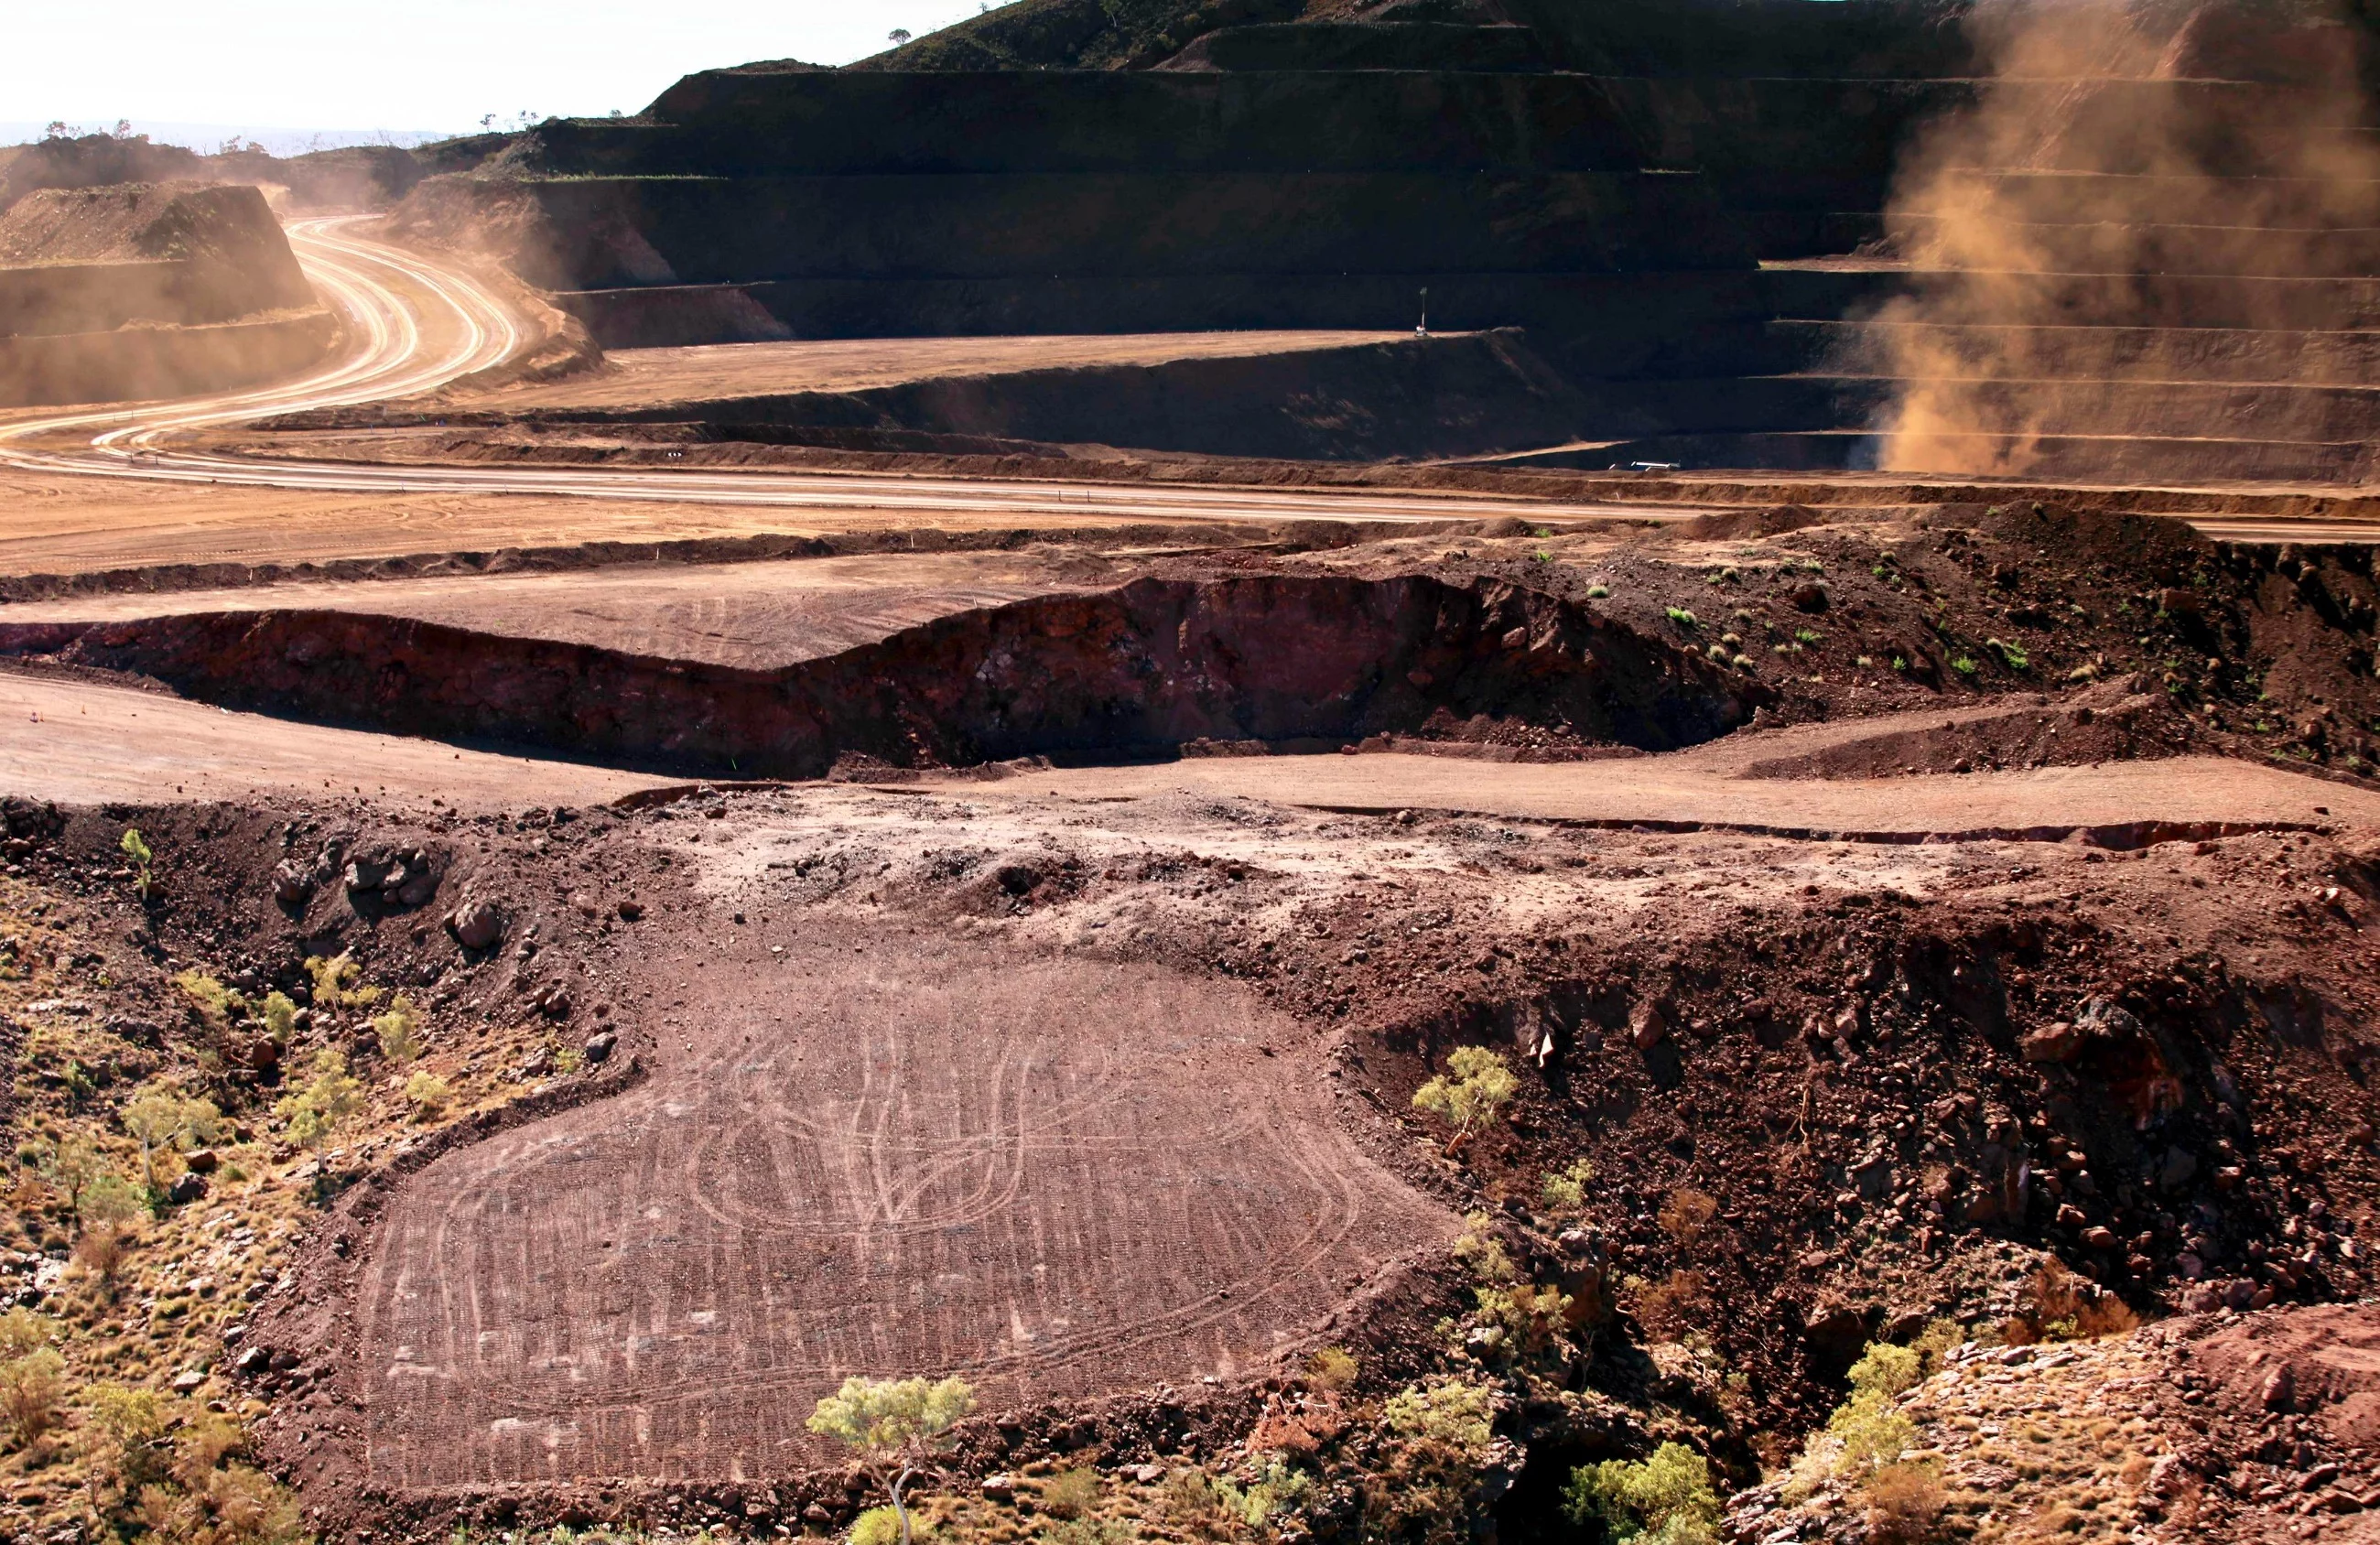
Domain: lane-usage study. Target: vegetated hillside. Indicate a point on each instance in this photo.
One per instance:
(94, 161)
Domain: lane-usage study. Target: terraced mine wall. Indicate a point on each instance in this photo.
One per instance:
(1728, 225)
(1146, 667)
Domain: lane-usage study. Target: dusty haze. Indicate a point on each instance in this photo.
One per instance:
(2124, 202)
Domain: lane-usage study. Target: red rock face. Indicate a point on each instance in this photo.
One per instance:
(2321, 1362)
(1152, 664)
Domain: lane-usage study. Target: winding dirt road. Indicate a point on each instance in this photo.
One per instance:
(416, 323)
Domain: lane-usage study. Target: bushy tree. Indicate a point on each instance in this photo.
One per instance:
(112, 1210)
(399, 1030)
(1438, 1437)
(280, 1014)
(71, 1167)
(330, 1099)
(896, 1421)
(162, 1116)
(1665, 1499)
(336, 982)
(1476, 1085)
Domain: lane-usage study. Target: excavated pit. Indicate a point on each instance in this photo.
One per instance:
(1129, 671)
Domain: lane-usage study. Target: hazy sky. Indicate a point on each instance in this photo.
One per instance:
(426, 64)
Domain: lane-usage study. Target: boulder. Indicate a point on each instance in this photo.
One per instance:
(186, 1189)
(599, 1047)
(1648, 1025)
(2060, 1042)
(292, 883)
(1811, 596)
(477, 925)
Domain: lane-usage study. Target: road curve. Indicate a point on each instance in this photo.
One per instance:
(415, 324)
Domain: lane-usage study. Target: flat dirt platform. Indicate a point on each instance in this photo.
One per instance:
(648, 377)
(755, 615)
(1054, 1176)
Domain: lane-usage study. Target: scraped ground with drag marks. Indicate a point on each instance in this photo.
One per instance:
(882, 1151)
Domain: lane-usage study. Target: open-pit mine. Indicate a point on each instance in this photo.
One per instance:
(1368, 770)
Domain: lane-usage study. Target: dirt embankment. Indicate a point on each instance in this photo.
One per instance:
(1150, 666)
(148, 291)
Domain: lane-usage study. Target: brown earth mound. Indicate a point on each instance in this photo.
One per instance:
(1149, 665)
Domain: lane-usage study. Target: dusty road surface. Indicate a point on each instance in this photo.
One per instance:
(2049, 804)
(83, 742)
(89, 743)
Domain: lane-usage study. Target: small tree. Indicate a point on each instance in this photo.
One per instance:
(905, 1421)
(33, 1375)
(1474, 1086)
(334, 983)
(112, 1210)
(898, 36)
(280, 1015)
(161, 1116)
(70, 1168)
(399, 1033)
(330, 1099)
(136, 848)
(427, 1094)
(1666, 1499)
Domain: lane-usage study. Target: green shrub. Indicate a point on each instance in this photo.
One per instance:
(1476, 1085)
(1564, 1191)
(1888, 1370)
(1665, 1499)
(1598, 592)
(1964, 665)
(881, 1525)
(280, 1015)
(1872, 1431)
(427, 1094)
(1682, 617)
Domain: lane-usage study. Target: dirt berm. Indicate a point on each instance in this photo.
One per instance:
(1152, 664)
